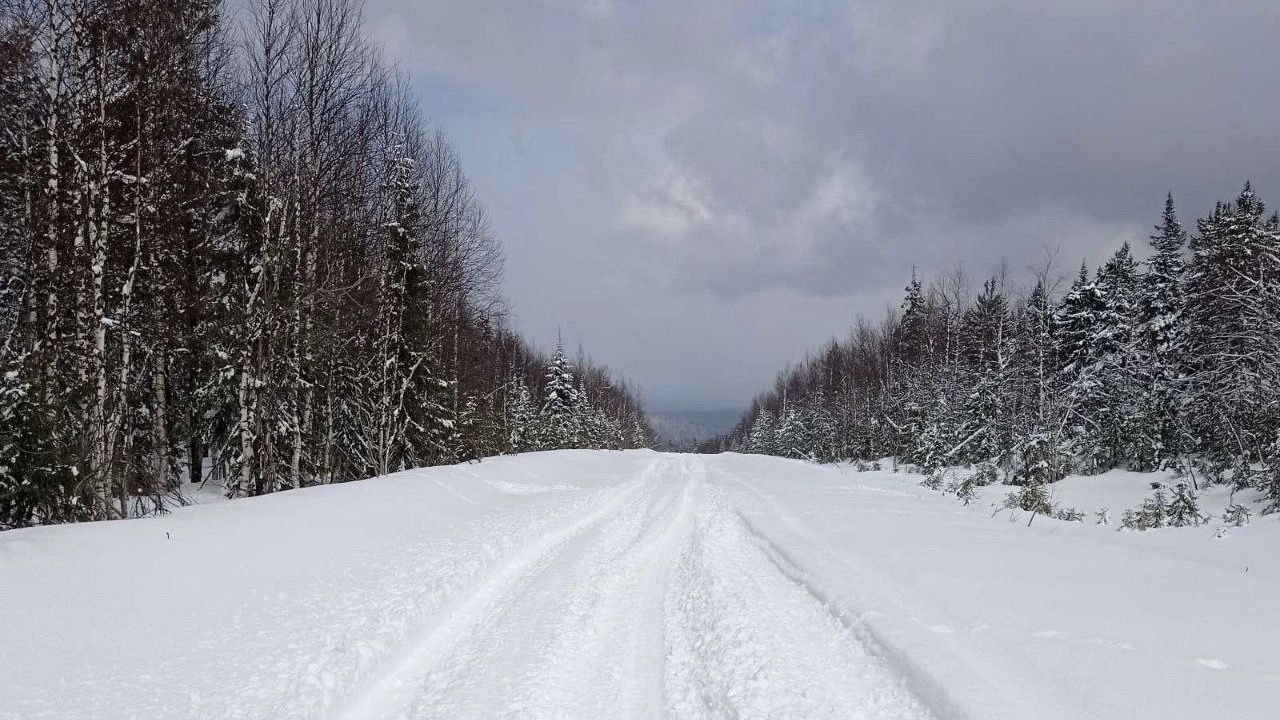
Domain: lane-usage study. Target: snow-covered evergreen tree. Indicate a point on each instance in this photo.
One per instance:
(1035, 359)
(560, 425)
(762, 437)
(911, 336)
(589, 427)
(523, 431)
(1095, 325)
(38, 478)
(1231, 297)
(637, 436)
(820, 425)
(1074, 324)
(1184, 507)
(792, 438)
(1160, 338)
(1115, 396)
(986, 413)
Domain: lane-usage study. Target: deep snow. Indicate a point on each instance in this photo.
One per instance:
(591, 584)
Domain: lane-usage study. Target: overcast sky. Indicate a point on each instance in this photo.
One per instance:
(699, 191)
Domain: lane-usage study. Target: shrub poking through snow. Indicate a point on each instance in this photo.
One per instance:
(933, 481)
(985, 473)
(1236, 514)
(1069, 514)
(966, 489)
(1103, 516)
(1153, 514)
(1033, 498)
(1184, 508)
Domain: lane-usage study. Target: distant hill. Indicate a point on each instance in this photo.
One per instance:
(684, 430)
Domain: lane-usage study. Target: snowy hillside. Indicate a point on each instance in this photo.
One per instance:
(599, 584)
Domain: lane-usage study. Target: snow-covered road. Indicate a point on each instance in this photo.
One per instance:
(657, 598)
(584, 584)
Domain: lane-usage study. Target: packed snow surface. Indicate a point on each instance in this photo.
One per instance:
(598, 584)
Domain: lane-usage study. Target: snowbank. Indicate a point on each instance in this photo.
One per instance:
(995, 619)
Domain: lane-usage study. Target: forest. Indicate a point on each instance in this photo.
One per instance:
(233, 249)
(1171, 362)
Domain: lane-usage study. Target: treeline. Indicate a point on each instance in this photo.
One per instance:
(577, 408)
(1172, 362)
(237, 250)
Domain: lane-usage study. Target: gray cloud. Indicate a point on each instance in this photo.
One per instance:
(700, 191)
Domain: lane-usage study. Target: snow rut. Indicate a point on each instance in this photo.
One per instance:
(657, 603)
(748, 641)
(446, 662)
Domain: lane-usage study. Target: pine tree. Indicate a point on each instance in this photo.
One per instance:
(1160, 344)
(1117, 283)
(762, 437)
(1114, 399)
(1230, 295)
(1075, 325)
(413, 424)
(38, 478)
(1036, 453)
(637, 435)
(588, 430)
(820, 426)
(1036, 358)
(1095, 327)
(523, 433)
(559, 414)
(985, 413)
(1184, 507)
(791, 438)
(911, 336)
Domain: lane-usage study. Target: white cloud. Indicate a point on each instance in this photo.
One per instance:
(672, 207)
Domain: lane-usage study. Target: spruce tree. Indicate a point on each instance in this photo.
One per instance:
(761, 438)
(1095, 326)
(910, 337)
(1114, 399)
(1074, 324)
(523, 433)
(1231, 292)
(985, 414)
(559, 414)
(1161, 343)
(792, 436)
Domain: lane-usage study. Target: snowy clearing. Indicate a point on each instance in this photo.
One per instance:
(591, 584)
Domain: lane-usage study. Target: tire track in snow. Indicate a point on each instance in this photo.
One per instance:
(612, 637)
(395, 691)
(748, 641)
(536, 655)
(934, 685)
(659, 602)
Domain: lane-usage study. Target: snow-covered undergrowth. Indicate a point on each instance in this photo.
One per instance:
(593, 584)
(1121, 499)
